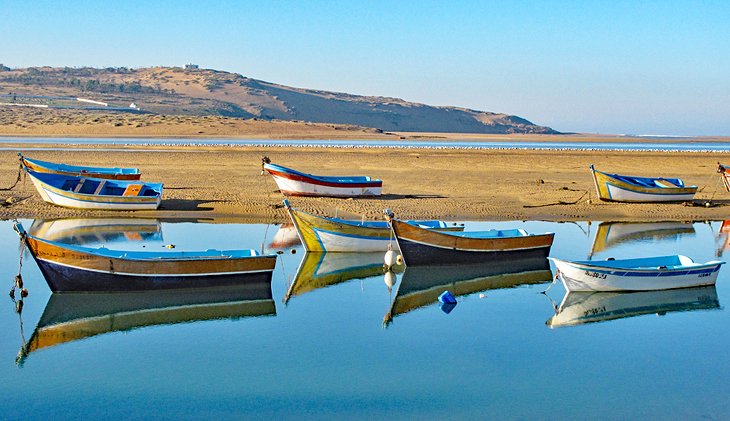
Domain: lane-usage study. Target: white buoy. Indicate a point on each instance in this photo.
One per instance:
(389, 280)
(390, 258)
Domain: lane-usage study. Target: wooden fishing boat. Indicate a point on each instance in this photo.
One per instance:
(69, 267)
(322, 270)
(91, 172)
(81, 231)
(321, 234)
(641, 274)
(96, 193)
(420, 286)
(295, 183)
(624, 188)
(612, 234)
(421, 246)
(579, 308)
(72, 316)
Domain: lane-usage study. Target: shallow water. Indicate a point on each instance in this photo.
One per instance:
(346, 349)
(631, 144)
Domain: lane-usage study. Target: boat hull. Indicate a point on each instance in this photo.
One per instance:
(427, 247)
(37, 165)
(613, 189)
(298, 184)
(62, 278)
(579, 277)
(69, 199)
(69, 268)
(319, 234)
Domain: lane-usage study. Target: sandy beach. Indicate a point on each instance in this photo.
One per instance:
(224, 183)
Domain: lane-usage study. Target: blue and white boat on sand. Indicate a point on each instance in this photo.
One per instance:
(641, 274)
(96, 193)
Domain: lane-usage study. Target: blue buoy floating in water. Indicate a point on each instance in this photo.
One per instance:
(447, 297)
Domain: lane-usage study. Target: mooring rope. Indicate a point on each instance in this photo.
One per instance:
(17, 179)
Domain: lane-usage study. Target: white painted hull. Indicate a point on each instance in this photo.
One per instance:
(335, 242)
(623, 195)
(576, 277)
(68, 202)
(291, 187)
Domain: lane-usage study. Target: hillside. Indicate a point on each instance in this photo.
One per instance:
(204, 92)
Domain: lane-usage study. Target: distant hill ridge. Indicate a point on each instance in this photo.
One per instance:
(173, 90)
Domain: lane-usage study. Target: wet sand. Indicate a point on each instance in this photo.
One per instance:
(224, 184)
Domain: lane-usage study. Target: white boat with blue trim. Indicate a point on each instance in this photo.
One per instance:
(628, 188)
(96, 193)
(641, 274)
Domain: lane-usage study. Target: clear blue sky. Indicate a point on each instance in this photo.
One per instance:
(641, 67)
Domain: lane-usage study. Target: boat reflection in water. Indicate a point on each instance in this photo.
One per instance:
(421, 285)
(285, 238)
(321, 270)
(723, 238)
(80, 231)
(590, 307)
(611, 234)
(70, 317)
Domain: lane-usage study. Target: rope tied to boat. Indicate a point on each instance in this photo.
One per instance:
(17, 179)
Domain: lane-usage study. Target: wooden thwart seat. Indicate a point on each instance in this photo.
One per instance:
(79, 185)
(132, 190)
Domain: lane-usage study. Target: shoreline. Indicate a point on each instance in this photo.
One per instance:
(223, 184)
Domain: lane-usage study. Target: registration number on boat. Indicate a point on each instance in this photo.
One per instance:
(596, 275)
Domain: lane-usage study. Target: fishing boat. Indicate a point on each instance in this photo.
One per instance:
(612, 234)
(295, 183)
(82, 231)
(321, 234)
(420, 246)
(624, 188)
(421, 286)
(69, 267)
(639, 274)
(579, 308)
(96, 193)
(92, 172)
(72, 316)
(322, 270)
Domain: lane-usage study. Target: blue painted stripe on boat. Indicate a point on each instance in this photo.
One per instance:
(653, 273)
(657, 192)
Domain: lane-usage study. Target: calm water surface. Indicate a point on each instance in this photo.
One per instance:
(630, 144)
(320, 348)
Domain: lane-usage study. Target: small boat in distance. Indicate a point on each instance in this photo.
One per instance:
(624, 188)
(96, 193)
(640, 274)
(579, 308)
(93, 172)
(69, 267)
(420, 246)
(321, 234)
(295, 183)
